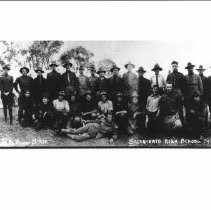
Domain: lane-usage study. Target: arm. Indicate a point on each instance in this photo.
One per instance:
(16, 85)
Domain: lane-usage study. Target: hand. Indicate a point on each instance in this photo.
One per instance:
(111, 141)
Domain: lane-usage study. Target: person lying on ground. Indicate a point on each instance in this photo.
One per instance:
(103, 128)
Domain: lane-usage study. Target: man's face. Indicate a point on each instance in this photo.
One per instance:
(81, 71)
(196, 99)
(101, 74)
(27, 94)
(157, 72)
(92, 72)
(88, 97)
(39, 73)
(68, 67)
(119, 98)
(6, 71)
(53, 68)
(141, 73)
(73, 98)
(103, 98)
(129, 67)
(135, 100)
(109, 118)
(115, 72)
(24, 72)
(155, 90)
(174, 67)
(169, 88)
(60, 97)
(190, 70)
(45, 100)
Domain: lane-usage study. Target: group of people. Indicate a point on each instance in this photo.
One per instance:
(84, 107)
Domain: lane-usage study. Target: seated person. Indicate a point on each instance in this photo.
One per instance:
(44, 113)
(61, 109)
(170, 106)
(104, 105)
(103, 128)
(88, 107)
(153, 111)
(136, 116)
(74, 119)
(120, 113)
(28, 106)
(195, 116)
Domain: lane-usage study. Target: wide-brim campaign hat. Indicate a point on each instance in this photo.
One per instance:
(92, 68)
(67, 64)
(141, 69)
(53, 63)
(134, 94)
(46, 95)
(61, 93)
(129, 64)
(157, 67)
(82, 68)
(101, 70)
(103, 93)
(21, 69)
(174, 62)
(114, 67)
(200, 68)
(189, 65)
(6, 67)
(39, 69)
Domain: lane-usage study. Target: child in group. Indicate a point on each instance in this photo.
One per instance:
(153, 111)
(44, 114)
(28, 109)
(61, 110)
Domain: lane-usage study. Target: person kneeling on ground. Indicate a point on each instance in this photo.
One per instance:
(27, 109)
(196, 112)
(44, 114)
(103, 128)
(104, 105)
(121, 117)
(153, 112)
(170, 105)
(61, 110)
(136, 116)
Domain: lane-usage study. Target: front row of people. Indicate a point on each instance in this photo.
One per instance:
(169, 113)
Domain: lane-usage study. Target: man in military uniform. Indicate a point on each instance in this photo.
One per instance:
(54, 81)
(114, 83)
(24, 82)
(158, 79)
(92, 78)
(129, 81)
(69, 81)
(6, 87)
(144, 88)
(39, 86)
(193, 84)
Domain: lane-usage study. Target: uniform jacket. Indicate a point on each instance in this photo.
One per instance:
(115, 85)
(129, 83)
(6, 83)
(39, 87)
(69, 82)
(24, 82)
(193, 84)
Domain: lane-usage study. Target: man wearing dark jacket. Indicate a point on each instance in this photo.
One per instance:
(69, 81)
(54, 81)
(6, 87)
(144, 88)
(24, 82)
(39, 86)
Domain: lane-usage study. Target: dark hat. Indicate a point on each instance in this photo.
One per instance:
(129, 63)
(6, 67)
(157, 67)
(114, 67)
(39, 69)
(119, 95)
(201, 68)
(134, 94)
(103, 93)
(88, 92)
(21, 69)
(61, 93)
(92, 68)
(67, 63)
(81, 68)
(141, 69)
(46, 95)
(174, 62)
(101, 70)
(189, 65)
(53, 63)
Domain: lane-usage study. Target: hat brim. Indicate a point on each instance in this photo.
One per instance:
(6, 68)
(67, 64)
(154, 69)
(126, 65)
(201, 69)
(191, 66)
(101, 71)
(39, 70)
(51, 65)
(23, 69)
(141, 71)
(112, 69)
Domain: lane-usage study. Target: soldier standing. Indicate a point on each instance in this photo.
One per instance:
(6, 87)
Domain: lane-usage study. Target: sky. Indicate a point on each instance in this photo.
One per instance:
(144, 53)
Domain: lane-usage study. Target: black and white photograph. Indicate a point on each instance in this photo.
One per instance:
(105, 94)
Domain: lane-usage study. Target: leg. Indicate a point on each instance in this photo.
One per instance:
(78, 138)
